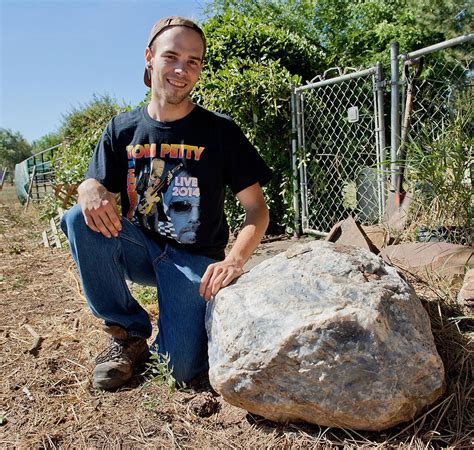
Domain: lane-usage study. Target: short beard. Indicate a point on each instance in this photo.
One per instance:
(174, 99)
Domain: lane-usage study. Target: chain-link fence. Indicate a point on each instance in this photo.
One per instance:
(439, 151)
(341, 147)
(339, 144)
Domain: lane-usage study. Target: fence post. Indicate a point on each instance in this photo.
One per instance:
(394, 114)
(294, 161)
(381, 151)
(302, 163)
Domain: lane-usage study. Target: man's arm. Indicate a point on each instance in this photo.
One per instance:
(222, 273)
(99, 208)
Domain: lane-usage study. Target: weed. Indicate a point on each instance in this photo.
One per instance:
(152, 402)
(158, 370)
(145, 295)
(439, 173)
(20, 282)
(16, 248)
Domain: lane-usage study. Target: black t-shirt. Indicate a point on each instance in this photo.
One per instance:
(172, 175)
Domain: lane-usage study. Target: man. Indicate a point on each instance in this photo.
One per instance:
(201, 153)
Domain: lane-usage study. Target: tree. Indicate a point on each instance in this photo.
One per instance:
(359, 33)
(14, 148)
(47, 141)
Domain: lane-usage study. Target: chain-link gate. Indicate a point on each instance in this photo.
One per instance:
(338, 148)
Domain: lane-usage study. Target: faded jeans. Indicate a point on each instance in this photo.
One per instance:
(105, 263)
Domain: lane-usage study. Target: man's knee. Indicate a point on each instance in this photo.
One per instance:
(72, 220)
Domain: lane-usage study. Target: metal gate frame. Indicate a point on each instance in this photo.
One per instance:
(298, 144)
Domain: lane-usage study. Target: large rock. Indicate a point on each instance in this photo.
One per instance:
(326, 334)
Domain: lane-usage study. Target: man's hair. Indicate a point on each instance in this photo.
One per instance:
(173, 21)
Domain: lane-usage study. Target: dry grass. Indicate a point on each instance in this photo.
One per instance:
(47, 401)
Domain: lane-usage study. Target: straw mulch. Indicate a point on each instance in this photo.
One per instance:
(46, 399)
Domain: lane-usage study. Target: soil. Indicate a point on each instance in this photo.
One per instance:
(46, 396)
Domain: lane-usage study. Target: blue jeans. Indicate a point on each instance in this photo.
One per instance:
(105, 263)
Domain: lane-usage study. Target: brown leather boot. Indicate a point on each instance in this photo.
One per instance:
(114, 365)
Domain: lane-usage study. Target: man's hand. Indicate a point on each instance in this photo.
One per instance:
(217, 276)
(99, 208)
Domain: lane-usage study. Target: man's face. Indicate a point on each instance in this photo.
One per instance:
(176, 62)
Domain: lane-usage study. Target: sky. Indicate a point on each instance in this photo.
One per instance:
(56, 54)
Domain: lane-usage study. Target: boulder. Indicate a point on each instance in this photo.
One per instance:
(326, 334)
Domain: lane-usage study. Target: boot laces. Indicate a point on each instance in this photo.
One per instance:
(113, 352)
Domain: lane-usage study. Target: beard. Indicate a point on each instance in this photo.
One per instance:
(176, 99)
(171, 96)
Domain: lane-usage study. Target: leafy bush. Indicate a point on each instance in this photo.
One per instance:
(234, 36)
(256, 95)
(81, 130)
(46, 142)
(250, 68)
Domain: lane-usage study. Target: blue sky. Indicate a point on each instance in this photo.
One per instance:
(56, 54)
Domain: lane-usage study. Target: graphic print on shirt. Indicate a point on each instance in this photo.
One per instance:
(164, 197)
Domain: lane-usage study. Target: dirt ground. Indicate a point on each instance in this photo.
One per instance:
(47, 401)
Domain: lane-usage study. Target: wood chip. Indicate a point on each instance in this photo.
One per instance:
(28, 393)
(37, 339)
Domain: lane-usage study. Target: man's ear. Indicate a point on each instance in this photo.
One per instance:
(148, 56)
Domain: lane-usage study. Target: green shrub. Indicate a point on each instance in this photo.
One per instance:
(238, 36)
(81, 130)
(250, 68)
(256, 95)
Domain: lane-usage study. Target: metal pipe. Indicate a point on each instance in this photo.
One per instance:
(432, 48)
(315, 232)
(381, 151)
(349, 76)
(294, 162)
(43, 151)
(381, 112)
(394, 114)
(303, 166)
(301, 163)
(377, 143)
